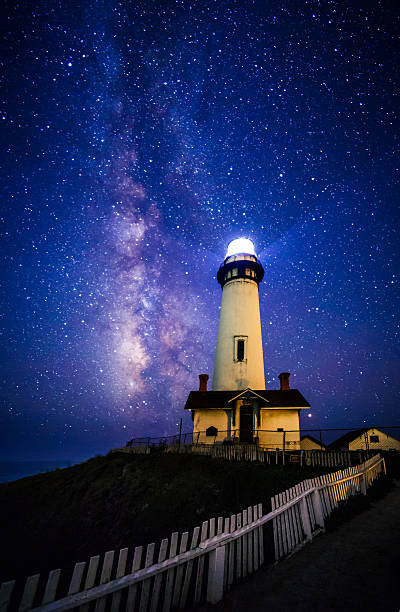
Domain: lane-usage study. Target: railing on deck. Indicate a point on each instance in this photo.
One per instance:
(184, 571)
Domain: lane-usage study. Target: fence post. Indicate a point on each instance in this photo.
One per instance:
(216, 572)
(305, 518)
(317, 505)
(363, 483)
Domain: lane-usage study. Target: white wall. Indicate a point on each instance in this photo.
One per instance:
(240, 316)
(287, 419)
(203, 419)
(385, 442)
(270, 420)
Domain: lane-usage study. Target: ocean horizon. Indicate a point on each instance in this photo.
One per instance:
(15, 470)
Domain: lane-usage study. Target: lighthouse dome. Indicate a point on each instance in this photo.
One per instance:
(240, 246)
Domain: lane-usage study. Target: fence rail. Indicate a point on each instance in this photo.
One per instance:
(283, 447)
(254, 452)
(187, 571)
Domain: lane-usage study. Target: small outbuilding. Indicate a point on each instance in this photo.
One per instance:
(308, 442)
(369, 438)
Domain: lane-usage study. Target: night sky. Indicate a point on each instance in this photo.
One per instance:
(139, 138)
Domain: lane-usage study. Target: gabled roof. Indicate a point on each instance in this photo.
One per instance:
(353, 435)
(315, 440)
(275, 398)
(247, 394)
(348, 437)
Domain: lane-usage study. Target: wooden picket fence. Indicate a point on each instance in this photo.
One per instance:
(308, 504)
(183, 571)
(253, 452)
(237, 452)
(332, 458)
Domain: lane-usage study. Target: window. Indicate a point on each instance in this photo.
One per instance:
(234, 272)
(280, 429)
(374, 438)
(212, 431)
(240, 350)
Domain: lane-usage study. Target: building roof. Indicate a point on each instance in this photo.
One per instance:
(315, 440)
(275, 398)
(353, 435)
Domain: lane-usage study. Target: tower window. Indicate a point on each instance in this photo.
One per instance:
(234, 272)
(374, 438)
(212, 431)
(240, 350)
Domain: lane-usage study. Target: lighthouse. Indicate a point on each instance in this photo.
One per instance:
(239, 409)
(239, 361)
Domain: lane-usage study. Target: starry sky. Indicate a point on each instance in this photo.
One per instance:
(139, 138)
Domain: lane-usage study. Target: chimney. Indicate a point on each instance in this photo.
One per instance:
(284, 378)
(203, 382)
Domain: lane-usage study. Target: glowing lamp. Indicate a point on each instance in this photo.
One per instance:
(240, 246)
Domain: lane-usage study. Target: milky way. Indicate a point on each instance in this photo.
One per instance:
(139, 139)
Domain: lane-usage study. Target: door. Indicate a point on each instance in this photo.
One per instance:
(246, 423)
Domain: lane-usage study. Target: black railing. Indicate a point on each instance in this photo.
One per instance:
(316, 439)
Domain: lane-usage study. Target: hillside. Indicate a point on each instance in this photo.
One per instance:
(53, 520)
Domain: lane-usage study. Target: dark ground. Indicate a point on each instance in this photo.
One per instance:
(106, 503)
(53, 520)
(355, 567)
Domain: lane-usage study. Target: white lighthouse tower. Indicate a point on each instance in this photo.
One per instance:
(239, 362)
(239, 409)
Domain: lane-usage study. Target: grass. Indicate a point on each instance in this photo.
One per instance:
(55, 519)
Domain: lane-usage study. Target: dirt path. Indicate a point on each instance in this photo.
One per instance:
(354, 568)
